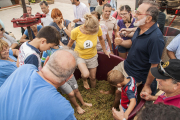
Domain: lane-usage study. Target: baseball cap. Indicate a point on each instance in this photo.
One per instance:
(167, 70)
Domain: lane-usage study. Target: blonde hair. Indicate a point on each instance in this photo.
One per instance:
(115, 77)
(91, 25)
(2, 45)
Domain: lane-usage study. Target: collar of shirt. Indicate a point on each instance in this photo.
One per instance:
(150, 30)
(32, 47)
(110, 18)
(162, 96)
(129, 83)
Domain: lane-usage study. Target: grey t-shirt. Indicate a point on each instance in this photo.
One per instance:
(93, 3)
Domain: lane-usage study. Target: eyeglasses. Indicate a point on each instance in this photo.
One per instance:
(2, 29)
(123, 14)
(162, 71)
(138, 13)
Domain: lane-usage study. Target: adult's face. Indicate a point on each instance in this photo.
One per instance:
(166, 85)
(106, 12)
(5, 53)
(141, 15)
(57, 20)
(125, 15)
(29, 10)
(44, 8)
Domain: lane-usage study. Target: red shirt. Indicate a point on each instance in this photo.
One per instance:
(174, 100)
(128, 91)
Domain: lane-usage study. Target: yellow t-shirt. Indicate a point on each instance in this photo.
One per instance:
(85, 44)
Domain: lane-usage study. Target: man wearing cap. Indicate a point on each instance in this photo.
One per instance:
(168, 77)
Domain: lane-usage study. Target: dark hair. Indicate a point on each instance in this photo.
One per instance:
(154, 12)
(100, 2)
(106, 5)
(43, 2)
(97, 14)
(128, 9)
(50, 33)
(159, 112)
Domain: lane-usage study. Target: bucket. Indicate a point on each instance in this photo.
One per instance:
(105, 65)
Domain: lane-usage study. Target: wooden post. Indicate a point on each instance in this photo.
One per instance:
(25, 11)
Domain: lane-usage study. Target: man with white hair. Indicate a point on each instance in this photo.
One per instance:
(146, 47)
(29, 94)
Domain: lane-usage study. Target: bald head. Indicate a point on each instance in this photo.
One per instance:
(62, 64)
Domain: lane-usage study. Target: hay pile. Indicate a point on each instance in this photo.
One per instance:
(102, 104)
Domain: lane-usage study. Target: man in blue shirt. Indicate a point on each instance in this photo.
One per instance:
(146, 48)
(173, 49)
(29, 94)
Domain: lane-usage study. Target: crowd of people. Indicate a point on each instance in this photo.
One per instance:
(29, 80)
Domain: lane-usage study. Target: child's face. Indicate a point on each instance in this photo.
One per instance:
(44, 46)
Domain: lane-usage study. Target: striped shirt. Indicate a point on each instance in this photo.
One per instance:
(80, 11)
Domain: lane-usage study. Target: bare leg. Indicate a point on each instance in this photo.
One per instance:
(123, 55)
(79, 97)
(117, 99)
(112, 91)
(74, 102)
(93, 77)
(84, 74)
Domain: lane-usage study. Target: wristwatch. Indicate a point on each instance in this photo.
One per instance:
(64, 28)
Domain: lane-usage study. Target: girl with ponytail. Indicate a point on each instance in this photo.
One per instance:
(86, 41)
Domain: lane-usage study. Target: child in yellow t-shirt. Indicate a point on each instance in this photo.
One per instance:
(86, 41)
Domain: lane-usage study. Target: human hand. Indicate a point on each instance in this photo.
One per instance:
(118, 115)
(125, 31)
(62, 23)
(147, 89)
(75, 20)
(112, 53)
(107, 53)
(145, 95)
(118, 41)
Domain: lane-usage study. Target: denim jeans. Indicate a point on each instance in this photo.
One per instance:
(92, 9)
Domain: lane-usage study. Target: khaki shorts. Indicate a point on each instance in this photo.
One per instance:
(120, 67)
(90, 63)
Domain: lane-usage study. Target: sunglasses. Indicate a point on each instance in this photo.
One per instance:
(2, 29)
(162, 71)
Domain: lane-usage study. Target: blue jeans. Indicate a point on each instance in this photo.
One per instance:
(76, 25)
(92, 9)
(123, 107)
